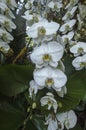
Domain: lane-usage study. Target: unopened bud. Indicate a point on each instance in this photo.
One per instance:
(28, 109)
(34, 105)
(60, 105)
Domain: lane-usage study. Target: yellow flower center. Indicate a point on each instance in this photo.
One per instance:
(6, 23)
(46, 57)
(83, 64)
(49, 82)
(9, 1)
(72, 2)
(67, 27)
(65, 40)
(6, 11)
(4, 36)
(55, 6)
(68, 15)
(49, 102)
(80, 50)
(41, 31)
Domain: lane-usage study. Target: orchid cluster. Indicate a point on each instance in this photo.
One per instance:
(53, 27)
(66, 119)
(6, 24)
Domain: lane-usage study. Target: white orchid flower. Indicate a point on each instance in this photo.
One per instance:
(6, 11)
(67, 26)
(10, 3)
(82, 10)
(79, 48)
(48, 53)
(69, 14)
(79, 62)
(34, 17)
(29, 4)
(50, 77)
(55, 5)
(33, 89)
(7, 23)
(69, 119)
(5, 36)
(42, 28)
(49, 101)
(28, 17)
(52, 123)
(71, 4)
(4, 47)
(80, 21)
(66, 38)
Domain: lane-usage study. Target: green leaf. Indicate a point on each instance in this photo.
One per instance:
(10, 117)
(38, 122)
(30, 126)
(76, 87)
(14, 79)
(69, 69)
(35, 123)
(77, 127)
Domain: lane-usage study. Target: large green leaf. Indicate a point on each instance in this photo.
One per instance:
(69, 69)
(39, 122)
(76, 89)
(14, 79)
(10, 117)
(35, 123)
(30, 126)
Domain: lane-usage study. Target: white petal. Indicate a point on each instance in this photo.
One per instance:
(69, 36)
(71, 4)
(59, 78)
(44, 101)
(50, 27)
(62, 92)
(53, 64)
(55, 50)
(72, 119)
(77, 61)
(52, 125)
(5, 47)
(49, 94)
(74, 48)
(61, 116)
(4, 19)
(52, 4)
(37, 54)
(40, 76)
(8, 37)
(70, 23)
(71, 12)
